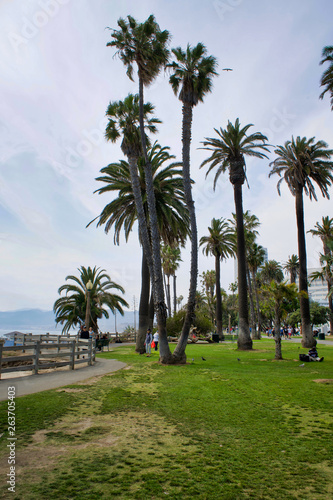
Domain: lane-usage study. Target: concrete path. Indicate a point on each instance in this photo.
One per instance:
(36, 383)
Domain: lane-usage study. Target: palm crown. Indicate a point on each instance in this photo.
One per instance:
(221, 241)
(229, 149)
(143, 44)
(192, 73)
(71, 308)
(327, 77)
(301, 162)
(121, 213)
(124, 122)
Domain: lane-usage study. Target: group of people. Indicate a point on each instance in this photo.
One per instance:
(151, 341)
(286, 332)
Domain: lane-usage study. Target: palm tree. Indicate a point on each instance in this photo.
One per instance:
(301, 162)
(256, 255)
(124, 122)
(70, 309)
(170, 262)
(121, 213)
(251, 223)
(292, 267)
(221, 243)
(228, 151)
(325, 233)
(146, 45)
(327, 77)
(281, 293)
(208, 281)
(191, 81)
(271, 271)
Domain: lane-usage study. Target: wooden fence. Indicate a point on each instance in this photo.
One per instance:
(47, 353)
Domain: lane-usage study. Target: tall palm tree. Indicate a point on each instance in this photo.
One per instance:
(327, 77)
(121, 212)
(325, 233)
(251, 223)
(191, 80)
(124, 122)
(221, 243)
(302, 162)
(256, 257)
(228, 151)
(70, 309)
(145, 45)
(292, 267)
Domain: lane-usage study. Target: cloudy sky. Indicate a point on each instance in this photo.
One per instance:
(57, 78)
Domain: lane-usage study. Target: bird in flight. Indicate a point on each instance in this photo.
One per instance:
(227, 69)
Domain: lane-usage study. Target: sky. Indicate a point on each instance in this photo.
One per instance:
(57, 77)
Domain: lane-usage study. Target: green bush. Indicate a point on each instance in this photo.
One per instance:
(203, 324)
(175, 324)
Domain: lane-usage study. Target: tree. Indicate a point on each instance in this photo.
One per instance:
(146, 45)
(170, 263)
(281, 293)
(271, 270)
(208, 281)
(292, 267)
(251, 223)
(256, 257)
(327, 77)
(221, 243)
(70, 310)
(302, 162)
(228, 151)
(121, 212)
(191, 80)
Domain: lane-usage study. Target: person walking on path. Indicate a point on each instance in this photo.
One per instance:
(156, 339)
(149, 339)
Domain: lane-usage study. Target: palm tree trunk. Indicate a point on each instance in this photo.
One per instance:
(151, 311)
(174, 294)
(277, 336)
(143, 306)
(169, 296)
(219, 329)
(330, 305)
(244, 341)
(252, 321)
(307, 335)
(257, 333)
(160, 307)
(143, 229)
(179, 352)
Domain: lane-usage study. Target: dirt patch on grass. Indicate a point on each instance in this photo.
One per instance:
(323, 380)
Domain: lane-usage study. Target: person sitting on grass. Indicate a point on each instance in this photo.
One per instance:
(313, 354)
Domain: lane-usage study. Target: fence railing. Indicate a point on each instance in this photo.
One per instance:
(43, 354)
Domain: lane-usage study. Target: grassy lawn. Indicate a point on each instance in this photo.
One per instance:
(215, 429)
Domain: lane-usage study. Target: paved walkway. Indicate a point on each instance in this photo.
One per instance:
(36, 383)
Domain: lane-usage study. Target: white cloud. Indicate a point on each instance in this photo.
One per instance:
(56, 85)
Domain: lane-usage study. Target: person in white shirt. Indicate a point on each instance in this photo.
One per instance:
(156, 339)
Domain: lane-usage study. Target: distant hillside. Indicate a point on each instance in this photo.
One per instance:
(35, 319)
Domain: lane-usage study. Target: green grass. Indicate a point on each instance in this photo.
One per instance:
(215, 429)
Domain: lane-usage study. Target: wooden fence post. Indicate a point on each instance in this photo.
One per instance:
(72, 358)
(37, 351)
(90, 352)
(1, 346)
